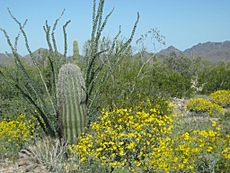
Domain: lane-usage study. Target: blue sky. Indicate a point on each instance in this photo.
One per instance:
(184, 23)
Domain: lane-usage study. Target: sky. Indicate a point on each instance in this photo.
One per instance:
(183, 23)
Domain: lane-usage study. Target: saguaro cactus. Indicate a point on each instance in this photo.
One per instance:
(76, 55)
(71, 98)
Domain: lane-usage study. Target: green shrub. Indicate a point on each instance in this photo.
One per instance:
(215, 77)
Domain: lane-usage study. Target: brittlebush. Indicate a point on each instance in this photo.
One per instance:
(200, 105)
(15, 133)
(141, 139)
(221, 97)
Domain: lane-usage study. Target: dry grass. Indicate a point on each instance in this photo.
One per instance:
(49, 152)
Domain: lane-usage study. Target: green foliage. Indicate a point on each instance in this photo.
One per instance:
(172, 83)
(12, 102)
(180, 65)
(134, 79)
(99, 59)
(225, 120)
(215, 77)
(71, 102)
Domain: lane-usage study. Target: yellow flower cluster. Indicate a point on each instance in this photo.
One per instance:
(142, 140)
(221, 97)
(191, 146)
(182, 152)
(202, 105)
(226, 153)
(124, 136)
(17, 131)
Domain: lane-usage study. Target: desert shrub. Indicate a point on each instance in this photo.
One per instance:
(140, 139)
(221, 97)
(16, 133)
(175, 85)
(215, 77)
(49, 152)
(201, 105)
(159, 80)
(12, 102)
(121, 137)
(225, 120)
(201, 149)
(210, 131)
(128, 85)
(182, 65)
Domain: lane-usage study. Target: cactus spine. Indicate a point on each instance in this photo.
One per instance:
(71, 102)
(76, 56)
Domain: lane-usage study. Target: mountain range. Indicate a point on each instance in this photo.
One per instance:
(40, 55)
(211, 51)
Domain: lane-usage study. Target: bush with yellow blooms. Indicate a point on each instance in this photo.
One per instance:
(141, 139)
(221, 97)
(201, 105)
(15, 133)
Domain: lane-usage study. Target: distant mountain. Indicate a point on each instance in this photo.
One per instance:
(212, 51)
(144, 54)
(4, 59)
(39, 54)
(169, 51)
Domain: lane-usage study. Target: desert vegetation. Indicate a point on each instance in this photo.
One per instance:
(110, 110)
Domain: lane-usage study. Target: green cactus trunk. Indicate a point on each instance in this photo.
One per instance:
(71, 98)
(76, 56)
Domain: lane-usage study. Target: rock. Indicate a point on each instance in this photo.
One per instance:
(180, 106)
(22, 162)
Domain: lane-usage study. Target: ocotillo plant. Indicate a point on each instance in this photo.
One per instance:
(71, 103)
(76, 57)
(42, 98)
(94, 55)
